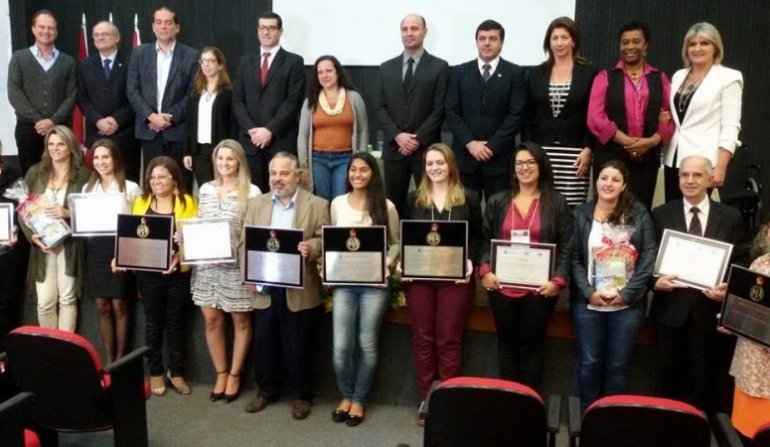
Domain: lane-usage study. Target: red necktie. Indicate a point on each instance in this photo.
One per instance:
(264, 67)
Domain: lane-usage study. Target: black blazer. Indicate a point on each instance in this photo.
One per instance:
(570, 128)
(419, 111)
(673, 308)
(470, 212)
(490, 111)
(274, 105)
(142, 88)
(99, 97)
(222, 122)
(559, 232)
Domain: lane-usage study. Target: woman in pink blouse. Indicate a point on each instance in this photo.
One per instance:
(629, 113)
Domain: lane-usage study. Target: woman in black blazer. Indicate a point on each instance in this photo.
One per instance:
(209, 117)
(557, 101)
(531, 212)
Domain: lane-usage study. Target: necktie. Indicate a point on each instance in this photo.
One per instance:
(264, 67)
(409, 73)
(695, 227)
(485, 75)
(107, 69)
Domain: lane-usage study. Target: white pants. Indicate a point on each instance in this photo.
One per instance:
(58, 288)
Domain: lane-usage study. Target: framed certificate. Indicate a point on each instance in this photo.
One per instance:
(697, 262)
(354, 255)
(206, 241)
(434, 250)
(144, 242)
(746, 308)
(521, 264)
(95, 214)
(272, 257)
(6, 222)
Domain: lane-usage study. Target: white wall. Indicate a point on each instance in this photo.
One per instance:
(7, 117)
(366, 32)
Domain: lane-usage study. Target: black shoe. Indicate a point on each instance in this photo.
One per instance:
(227, 398)
(354, 420)
(340, 415)
(217, 396)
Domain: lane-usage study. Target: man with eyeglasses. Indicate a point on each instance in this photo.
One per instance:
(160, 77)
(43, 98)
(102, 98)
(267, 96)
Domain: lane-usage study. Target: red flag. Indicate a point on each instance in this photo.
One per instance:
(135, 39)
(78, 122)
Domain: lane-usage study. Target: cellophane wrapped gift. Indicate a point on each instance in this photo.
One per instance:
(32, 210)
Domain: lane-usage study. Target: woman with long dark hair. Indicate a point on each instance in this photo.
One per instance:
(358, 310)
(332, 126)
(611, 265)
(531, 211)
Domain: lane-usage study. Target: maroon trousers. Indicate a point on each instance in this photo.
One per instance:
(438, 310)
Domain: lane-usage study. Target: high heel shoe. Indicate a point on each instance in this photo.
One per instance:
(227, 398)
(217, 396)
(178, 384)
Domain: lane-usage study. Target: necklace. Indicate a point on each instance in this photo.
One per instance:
(57, 186)
(208, 96)
(635, 75)
(324, 103)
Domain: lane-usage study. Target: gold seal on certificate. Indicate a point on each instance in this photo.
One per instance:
(272, 243)
(353, 243)
(143, 230)
(433, 238)
(757, 292)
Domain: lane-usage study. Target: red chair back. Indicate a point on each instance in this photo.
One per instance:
(64, 372)
(485, 412)
(641, 421)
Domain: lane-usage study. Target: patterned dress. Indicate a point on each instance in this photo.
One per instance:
(221, 285)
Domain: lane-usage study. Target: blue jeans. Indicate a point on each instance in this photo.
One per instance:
(605, 342)
(357, 315)
(330, 173)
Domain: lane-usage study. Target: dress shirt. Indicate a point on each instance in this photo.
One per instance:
(164, 67)
(492, 65)
(205, 107)
(45, 63)
(273, 51)
(405, 65)
(111, 57)
(283, 216)
(703, 212)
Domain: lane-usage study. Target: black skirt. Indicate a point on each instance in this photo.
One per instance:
(102, 283)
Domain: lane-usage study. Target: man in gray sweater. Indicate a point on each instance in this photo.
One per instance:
(41, 89)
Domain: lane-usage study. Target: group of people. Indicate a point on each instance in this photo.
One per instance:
(260, 145)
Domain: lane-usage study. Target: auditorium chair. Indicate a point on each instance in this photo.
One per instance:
(638, 421)
(729, 435)
(473, 411)
(12, 432)
(73, 392)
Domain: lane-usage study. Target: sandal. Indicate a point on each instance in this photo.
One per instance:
(178, 384)
(157, 385)
(215, 396)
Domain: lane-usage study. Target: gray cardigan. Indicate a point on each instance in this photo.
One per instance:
(36, 94)
(305, 137)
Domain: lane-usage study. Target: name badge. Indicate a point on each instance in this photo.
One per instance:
(521, 236)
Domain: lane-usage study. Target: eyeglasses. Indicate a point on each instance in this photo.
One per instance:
(207, 61)
(98, 35)
(531, 163)
(270, 28)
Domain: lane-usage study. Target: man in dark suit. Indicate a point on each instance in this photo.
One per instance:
(102, 97)
(693, 357)
(409, 103)
(485, 105)
(160, 77)
(267, 95)
(285, 321)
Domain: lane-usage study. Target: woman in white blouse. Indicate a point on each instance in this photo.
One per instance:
(110, 290)
(706, 107)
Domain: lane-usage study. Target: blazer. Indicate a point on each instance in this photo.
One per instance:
(420, 110)
(274, 105)
(490, 111)
(470, 212)
(674, 308)
(222, 121)
(99, 97)
(311, 214)
(643, 239)
(570, 128)
(360, 137)
(559, 231)
(142, 89)
(713, 118)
